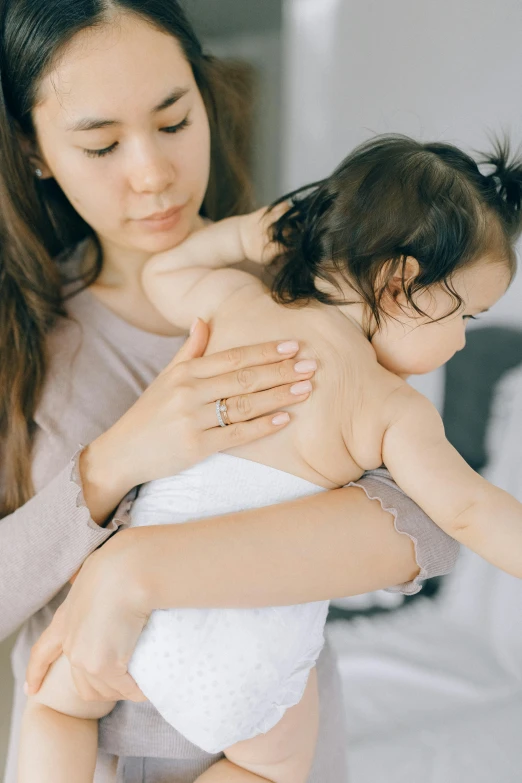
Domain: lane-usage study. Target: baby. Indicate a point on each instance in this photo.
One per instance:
(377, 270)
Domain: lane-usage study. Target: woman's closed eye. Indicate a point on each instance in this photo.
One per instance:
(470, 317)
(107, 150)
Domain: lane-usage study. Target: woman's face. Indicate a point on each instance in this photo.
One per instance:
(122, 127)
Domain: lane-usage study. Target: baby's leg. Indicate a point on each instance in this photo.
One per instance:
(282, 755)
(59, 738)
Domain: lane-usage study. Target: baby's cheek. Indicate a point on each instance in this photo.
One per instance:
(451, 341)
(425, 357)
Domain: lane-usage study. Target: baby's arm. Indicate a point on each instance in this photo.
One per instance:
(427, 467)
(190, 280)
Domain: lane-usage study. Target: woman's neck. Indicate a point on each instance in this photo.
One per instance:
(119, 288)
(122, 267)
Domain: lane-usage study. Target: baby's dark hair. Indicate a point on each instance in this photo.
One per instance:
(391, 198)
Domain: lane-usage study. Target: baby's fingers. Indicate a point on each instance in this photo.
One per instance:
(271, 249)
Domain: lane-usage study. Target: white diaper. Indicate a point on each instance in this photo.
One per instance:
(219, 676)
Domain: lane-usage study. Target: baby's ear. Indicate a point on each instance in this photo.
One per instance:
(397, 276)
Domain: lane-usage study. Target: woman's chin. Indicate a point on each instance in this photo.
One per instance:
(158, 241)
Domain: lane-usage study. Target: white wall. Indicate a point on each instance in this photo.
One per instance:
(446, 70)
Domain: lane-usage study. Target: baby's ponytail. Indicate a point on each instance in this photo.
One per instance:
(506, 179)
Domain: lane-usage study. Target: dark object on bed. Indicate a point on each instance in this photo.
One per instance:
(471, 378)
(430, 589)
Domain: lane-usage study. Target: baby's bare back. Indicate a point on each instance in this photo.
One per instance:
(337, 433)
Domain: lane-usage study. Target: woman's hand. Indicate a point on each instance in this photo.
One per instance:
(96, 627)
(173, 425)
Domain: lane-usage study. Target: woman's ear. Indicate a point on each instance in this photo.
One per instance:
(394, 299)
(36, 160)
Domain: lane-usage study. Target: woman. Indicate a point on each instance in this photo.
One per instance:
(115, 143)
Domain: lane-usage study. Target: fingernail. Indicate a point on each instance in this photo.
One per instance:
(306, 365)
(290, 346)
(194, 326)
(26, 688)
(301, 388)
(280, 418)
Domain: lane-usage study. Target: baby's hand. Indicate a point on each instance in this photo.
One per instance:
(254, 233)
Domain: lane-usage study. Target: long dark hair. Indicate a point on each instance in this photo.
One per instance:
(38, 223)
(391, 198)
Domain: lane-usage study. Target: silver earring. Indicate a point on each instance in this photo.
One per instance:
(38, 172)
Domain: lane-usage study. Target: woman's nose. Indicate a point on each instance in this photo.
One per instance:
(149, 170)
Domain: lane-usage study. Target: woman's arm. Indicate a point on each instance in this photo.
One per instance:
(333, 544)
(44, 542)
(336, 543)
(329, 545)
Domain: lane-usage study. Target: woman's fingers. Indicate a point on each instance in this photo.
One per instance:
(251, 406)
(89, 688)
(223, 438)
(256, 379)
(247, 356)
(195, 344)
(115, 688)
(43, 653)
(126, 686)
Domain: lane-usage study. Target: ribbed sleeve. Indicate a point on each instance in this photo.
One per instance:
(436, 553)
(44, 542)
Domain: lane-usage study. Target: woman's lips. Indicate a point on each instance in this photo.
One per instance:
(161, 221)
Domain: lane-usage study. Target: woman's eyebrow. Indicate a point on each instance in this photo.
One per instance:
(92, 123)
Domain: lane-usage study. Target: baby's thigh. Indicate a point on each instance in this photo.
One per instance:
(285, 753)
(58, 693)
